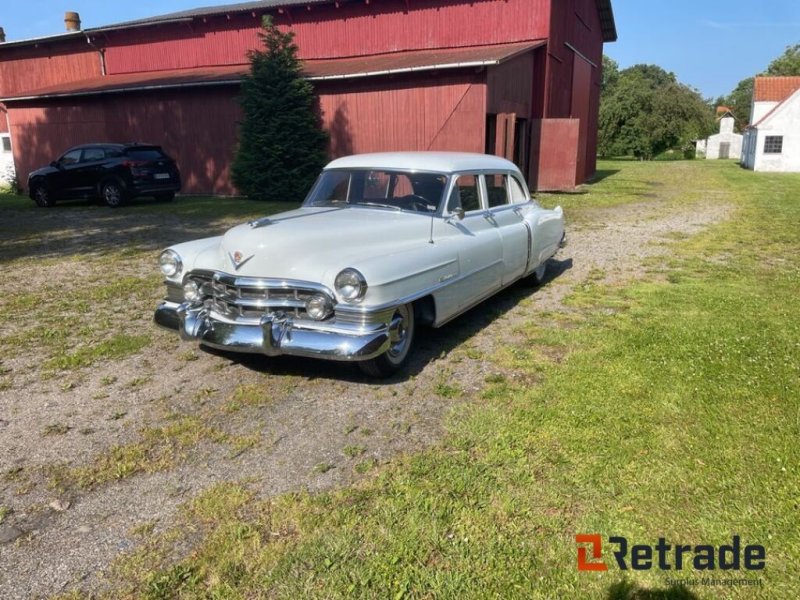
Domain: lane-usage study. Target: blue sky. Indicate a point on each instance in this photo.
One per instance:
(709, 44)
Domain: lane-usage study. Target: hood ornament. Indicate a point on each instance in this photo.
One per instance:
(238, 259)
(263, 221)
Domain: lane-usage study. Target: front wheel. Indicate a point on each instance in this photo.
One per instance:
(401, 337)
(43, 197)
(112, 194)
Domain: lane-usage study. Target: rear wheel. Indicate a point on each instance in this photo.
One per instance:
(401, 339)
(112, 193)
(43, 197)
(537, 276)
(167, 197)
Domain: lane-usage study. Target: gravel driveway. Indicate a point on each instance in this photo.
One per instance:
(108, 425)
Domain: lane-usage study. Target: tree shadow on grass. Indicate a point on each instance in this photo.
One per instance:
(627, 590)
(430, 344)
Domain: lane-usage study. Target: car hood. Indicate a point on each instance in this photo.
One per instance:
(314, 244)
(42, 171)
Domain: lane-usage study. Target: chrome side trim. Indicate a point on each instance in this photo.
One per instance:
(530, 246)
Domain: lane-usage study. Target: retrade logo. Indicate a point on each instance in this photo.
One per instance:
(664, 556)
(597, 552)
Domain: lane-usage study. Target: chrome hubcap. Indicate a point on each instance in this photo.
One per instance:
(398, 336)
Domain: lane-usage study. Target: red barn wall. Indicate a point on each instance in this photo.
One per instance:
(177, 120)
(418, 112)
(353, 29)
(27, 68)
(509, 86)
(576, 22)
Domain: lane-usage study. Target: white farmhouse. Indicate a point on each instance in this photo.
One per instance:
(772, 141)
(726, 143)
(6, 157)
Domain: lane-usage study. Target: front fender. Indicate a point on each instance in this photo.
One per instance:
(198, 254)
(404, 273)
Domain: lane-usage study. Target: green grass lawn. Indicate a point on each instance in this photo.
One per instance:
(672, 411)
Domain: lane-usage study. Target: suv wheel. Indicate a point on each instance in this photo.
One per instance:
(112, 193)
(42, 197)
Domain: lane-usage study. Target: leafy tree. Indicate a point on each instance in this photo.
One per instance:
(282, 146)
(787, 63)
(740, 101)
(610, 73)
(647, 111)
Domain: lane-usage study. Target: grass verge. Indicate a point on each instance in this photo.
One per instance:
(672, 410)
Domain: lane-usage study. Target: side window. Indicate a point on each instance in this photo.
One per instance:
(518, 195)
(93, 154)
(401, 186)
(465, 194)
(6, 140)
(497, 190)
(70, 158)
(376, 185)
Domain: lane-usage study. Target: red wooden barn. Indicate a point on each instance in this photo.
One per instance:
(518, 78)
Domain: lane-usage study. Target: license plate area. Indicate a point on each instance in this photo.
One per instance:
(161, 176)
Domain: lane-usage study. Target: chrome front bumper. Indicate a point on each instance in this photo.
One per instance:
(275, 334)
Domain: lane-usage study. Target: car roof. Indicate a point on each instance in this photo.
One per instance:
(113, 145)
(441, 162)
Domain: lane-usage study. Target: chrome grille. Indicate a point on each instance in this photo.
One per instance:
(251, 298)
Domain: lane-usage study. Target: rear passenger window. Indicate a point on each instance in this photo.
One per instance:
(91, 154)
(518, 194)
(465, 194)
(146, 154)
(497, 189)
(70, 158)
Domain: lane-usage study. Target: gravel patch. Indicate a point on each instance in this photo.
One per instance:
(300, 415)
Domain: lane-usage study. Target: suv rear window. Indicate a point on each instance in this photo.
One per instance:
(146, 154)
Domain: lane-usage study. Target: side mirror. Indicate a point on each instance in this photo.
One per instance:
(54, 164)
(459, 212)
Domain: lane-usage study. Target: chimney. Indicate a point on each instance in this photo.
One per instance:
(2, 35)
(72, 21)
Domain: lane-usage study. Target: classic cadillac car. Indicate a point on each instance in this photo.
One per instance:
(383, 243)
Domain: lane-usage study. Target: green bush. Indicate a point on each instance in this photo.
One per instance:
(282, 146)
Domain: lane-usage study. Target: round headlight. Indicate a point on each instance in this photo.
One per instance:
(170, 263)
(318, 307)
(350, 285)
(191, 291)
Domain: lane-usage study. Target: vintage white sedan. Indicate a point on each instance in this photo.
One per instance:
(383, 243)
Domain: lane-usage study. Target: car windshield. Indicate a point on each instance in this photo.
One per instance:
(379, 189)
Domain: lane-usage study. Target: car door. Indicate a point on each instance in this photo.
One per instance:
(63, 182)
(478, 245)
(88, 171)
(506, 217)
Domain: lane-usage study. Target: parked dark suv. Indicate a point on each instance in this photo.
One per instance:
(112, 172)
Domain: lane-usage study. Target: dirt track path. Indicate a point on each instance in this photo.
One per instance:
(290, 424)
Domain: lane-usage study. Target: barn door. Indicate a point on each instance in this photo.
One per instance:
(505, 136)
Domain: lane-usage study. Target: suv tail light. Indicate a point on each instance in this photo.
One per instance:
(136, 167)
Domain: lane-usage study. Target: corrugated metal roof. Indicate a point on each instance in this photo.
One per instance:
(342, 68)
(207, 11)
(607, 22)
(606, 13)
(774, 89)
